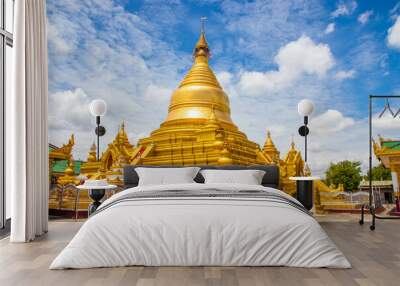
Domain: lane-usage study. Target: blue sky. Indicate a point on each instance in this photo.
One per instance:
(267, 55)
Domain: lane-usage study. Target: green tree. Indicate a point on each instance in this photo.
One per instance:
(346, 172)
(380, 173)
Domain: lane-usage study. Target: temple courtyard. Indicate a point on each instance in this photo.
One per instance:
(374, 255)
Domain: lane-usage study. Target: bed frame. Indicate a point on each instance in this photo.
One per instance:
(270, 179)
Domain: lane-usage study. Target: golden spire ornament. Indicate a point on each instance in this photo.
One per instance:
(92, 157)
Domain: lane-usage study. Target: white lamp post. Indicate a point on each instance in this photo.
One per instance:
(304, 185)
(98, 108)
(305, 108)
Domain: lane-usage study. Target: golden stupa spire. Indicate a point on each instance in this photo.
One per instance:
(121, 137)
(121, 132)
(69, 171)
(269, 144)
(200, 73)
(292, 145)
(92, 153)
(201, 51)
(270, 149)
(292, 153)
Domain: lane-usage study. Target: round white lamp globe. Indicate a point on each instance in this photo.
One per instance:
(98, 107)
(305, 107)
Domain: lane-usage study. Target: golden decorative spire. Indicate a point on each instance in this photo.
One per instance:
(200, 73)
(69, 171)
(66, 149)
(270, 149)
(122, 137)
(269, 144)
(292, 145)
(92, 153)
(69, 174)
(122, 129)
(292, 155)
(201, 48)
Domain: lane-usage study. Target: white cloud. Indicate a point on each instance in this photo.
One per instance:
(393, 38)
(157, 93)
(69, 114)
(330, 28)
(369, 58)
(258, 28)
(133, 61)
(297, 58)
(97, 49)
(386, 122)
(69, 110)
(277, 111)
(227, 80)
(364, 17)
(341, 75)
(61, 35)
(335, 137)
(395, 9)
(344, 9)
(330, 121)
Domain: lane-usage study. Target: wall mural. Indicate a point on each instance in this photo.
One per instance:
(223, 91)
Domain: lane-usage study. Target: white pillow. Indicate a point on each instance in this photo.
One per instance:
(248, 177)
(166, 176)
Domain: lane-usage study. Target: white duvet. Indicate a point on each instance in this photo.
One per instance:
(200, 231)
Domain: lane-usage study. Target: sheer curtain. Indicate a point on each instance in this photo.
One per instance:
(27, 153)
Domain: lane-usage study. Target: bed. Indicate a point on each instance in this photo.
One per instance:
(198, 224)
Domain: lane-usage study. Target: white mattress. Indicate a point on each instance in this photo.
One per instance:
(200, 231)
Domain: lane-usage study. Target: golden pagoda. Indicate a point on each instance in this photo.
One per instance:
(117, 154)
(91, 166)
(198, 130)
(292, 165)
(269, 149)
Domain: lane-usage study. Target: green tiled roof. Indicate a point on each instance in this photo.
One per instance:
(394, 145)
(61, 165)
